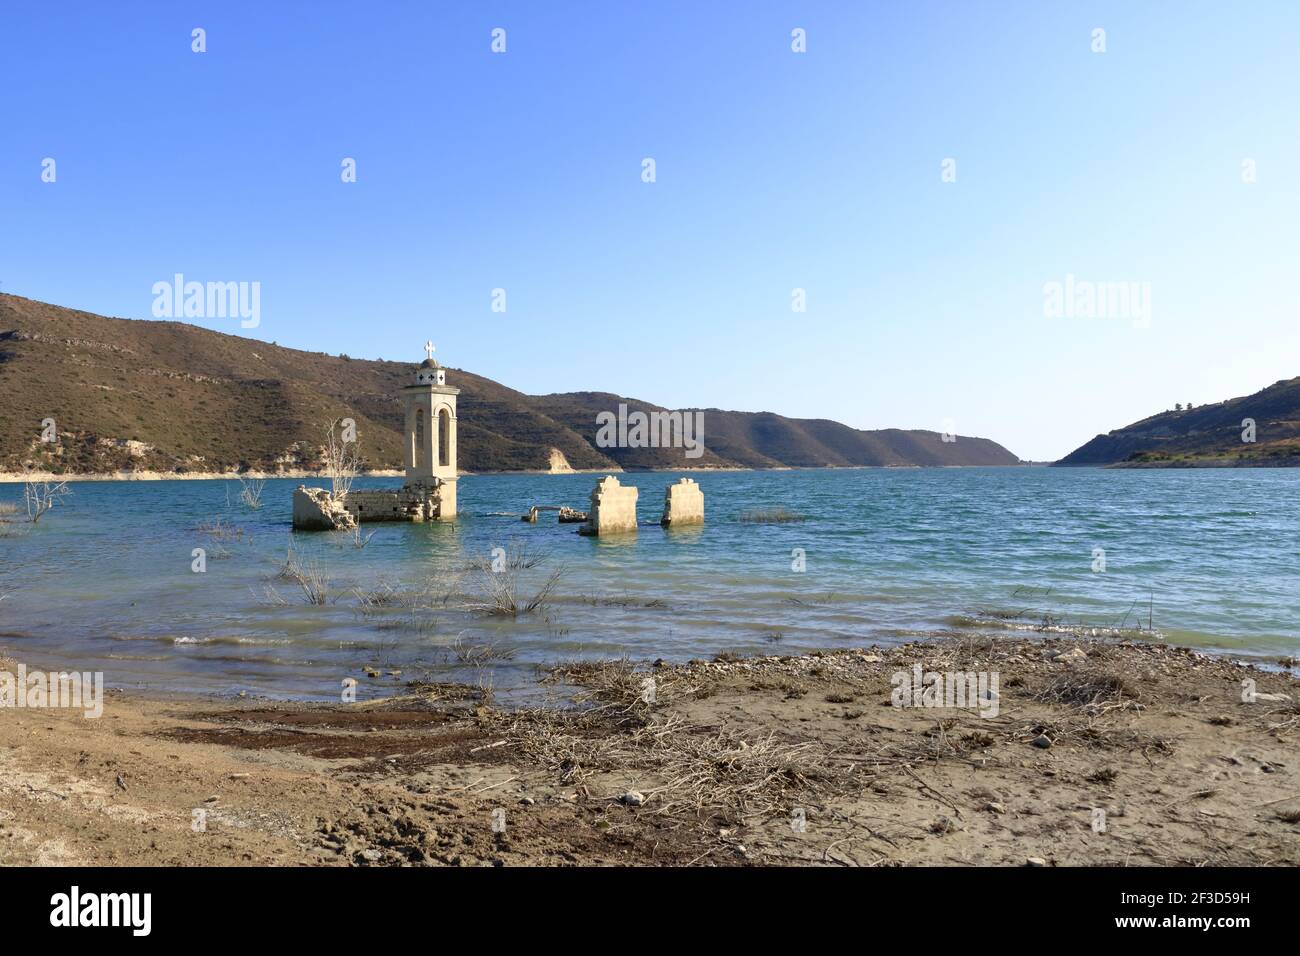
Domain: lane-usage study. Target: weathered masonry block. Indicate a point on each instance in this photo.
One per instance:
(415, 501)
(613, 508)
(683, 504)
(314, 509)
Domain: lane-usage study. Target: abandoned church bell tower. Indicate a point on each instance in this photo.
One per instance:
(429, 450)
(431, 432)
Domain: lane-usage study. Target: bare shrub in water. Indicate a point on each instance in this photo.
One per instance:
(383, 594)
(8, 512)
(221, 531)
(308, 576)
(376, 603)
(517, 558)
(314, 584)
(771, 516)
(342, 463)
(439, 590)
(499, 593)
(41, 496)
(287, 568)
(477, 654)
(271, 597)
(250, 492)
(436, 592)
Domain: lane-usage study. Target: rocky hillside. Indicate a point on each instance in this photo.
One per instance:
(167, 396)
(1207, 435)
(765, 440)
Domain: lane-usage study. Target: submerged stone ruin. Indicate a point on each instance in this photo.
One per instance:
(566, 515)
(316, 509)
(683, 504)
(613, 507)
(429, 493)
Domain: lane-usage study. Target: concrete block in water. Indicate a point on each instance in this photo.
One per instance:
(613, 508)
(314, 509)
(683, 504)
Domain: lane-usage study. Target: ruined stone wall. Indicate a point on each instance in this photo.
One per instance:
(409, 503)
(683, 504)
(613, 508)
(314, 509)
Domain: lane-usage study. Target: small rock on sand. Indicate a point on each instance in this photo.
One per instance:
(1042, 741)
(633, 798)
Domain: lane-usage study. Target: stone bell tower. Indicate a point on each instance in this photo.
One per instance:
(430, 447)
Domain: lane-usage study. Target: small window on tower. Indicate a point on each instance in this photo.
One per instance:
(444, 437)
(419, 438)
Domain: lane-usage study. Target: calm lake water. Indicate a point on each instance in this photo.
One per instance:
(105, 582)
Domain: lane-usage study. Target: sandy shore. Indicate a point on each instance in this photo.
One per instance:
(1100, 753)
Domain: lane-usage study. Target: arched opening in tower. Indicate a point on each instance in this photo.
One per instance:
(444, 437)
(418, 457)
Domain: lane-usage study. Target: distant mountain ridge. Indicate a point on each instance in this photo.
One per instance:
(145, 395)
(1207, 436)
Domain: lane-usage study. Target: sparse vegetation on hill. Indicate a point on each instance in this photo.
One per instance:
(1216, 435)
(143, 395)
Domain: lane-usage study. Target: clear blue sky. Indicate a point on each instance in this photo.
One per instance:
(775, 170)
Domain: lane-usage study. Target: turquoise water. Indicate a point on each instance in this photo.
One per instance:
(104, 582)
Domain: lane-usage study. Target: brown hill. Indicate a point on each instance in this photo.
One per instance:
(1210, 435)
(168, 396)
(766, 440)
